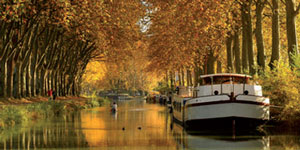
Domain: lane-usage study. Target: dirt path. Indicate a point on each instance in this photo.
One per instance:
(31, 100)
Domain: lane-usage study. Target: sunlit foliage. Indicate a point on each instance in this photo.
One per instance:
(282, 86)
(183, 33)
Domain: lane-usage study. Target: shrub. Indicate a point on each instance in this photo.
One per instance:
(11, 115)
(281, 85)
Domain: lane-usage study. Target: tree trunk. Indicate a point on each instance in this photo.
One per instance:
(291, 30)
(52, 80)
(190, 79)
(42, 88)
(179, 77)
(211, 64)
(187, 77)
(182, 77)
(68, 84)
(275, 34)
(17, 85)
(65, 88)
(10, 73)
(167, 79)
(171, 80)
(236, 49)
(259, 36)
(219, 67)
(196, 75)
(48, 79)
(56, 82)
(229, 53)
(28, 81)
(61, 85)
(244, 40)
(73, 88)
(250, 40)
(33, 73)
(23, 82)
(38, 82)
(3, 78)
(45, 89)
(78, 85)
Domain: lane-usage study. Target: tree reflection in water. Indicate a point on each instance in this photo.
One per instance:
(137, 125)
(59, 132)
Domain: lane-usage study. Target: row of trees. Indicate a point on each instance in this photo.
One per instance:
(47, 44)
(126, 74)
(202, 37)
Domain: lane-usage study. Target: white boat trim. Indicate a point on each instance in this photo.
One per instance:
(226, 74)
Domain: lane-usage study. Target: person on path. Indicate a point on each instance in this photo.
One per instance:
(50, 94)
(114, 107)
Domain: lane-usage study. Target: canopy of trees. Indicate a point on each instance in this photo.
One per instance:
(47, 44)
(209, 36)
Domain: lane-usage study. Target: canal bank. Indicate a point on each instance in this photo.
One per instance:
(15, 112)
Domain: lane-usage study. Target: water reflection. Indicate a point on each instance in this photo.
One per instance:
(136, 125)
(57, 133)
(195, 140)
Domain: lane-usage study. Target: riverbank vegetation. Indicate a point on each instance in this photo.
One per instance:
(11, 115)
(282, 86)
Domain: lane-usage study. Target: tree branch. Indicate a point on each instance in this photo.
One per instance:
(297, 10)
(269, 4)
(283, 1)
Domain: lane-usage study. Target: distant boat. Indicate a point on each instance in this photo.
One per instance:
(222, 101)
(124, 97)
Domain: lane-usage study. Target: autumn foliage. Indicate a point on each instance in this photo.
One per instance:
(48, 44)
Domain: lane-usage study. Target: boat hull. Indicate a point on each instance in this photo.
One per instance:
(221, 124)
(224, 109)
(222, 112)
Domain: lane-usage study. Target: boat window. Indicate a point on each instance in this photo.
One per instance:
(206, 81)
(225, 80)
(222, 80)
(240, 80)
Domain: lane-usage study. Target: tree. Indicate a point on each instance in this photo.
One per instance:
(260, 4)
(291, 12)
(275, 33)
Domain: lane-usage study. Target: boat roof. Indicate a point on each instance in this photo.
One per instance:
(226, 75)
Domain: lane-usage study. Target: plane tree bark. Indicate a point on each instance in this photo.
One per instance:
(291, 12)
(260, 4)
(275, 33)
(229, 53)
(236, 49)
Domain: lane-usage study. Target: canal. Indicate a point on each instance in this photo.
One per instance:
(137, 125)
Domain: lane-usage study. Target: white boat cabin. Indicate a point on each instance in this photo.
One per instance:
(220, 84)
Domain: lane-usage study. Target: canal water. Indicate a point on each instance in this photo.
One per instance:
(136, 126)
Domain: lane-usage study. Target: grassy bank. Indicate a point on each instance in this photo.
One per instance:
(11, 115)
